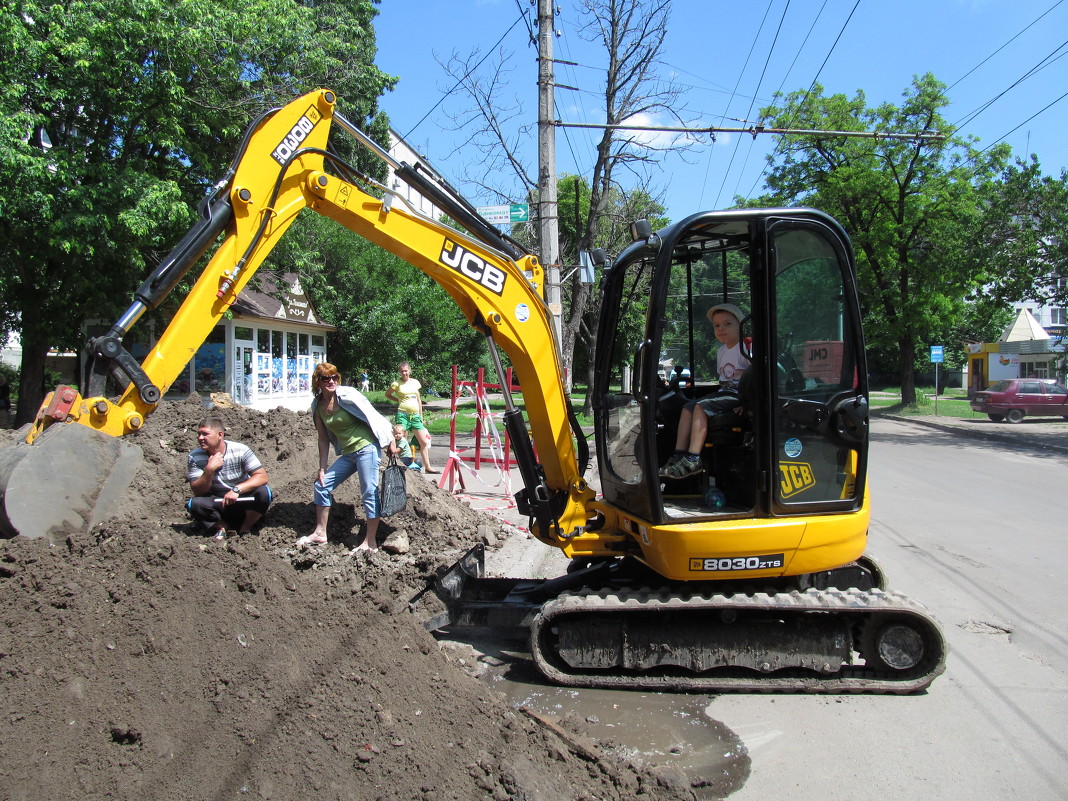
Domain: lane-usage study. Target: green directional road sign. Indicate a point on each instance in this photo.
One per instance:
(505, 215)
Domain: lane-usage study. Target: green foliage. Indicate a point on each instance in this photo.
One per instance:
(1020, 242)
(915, 209)
(611, 226)
(386, 311)
(116, 115)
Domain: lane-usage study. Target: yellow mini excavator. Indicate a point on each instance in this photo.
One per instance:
(746, 572)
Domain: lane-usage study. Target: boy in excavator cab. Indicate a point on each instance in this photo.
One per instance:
(731, 363)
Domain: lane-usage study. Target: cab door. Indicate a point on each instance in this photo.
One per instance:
(819, 393)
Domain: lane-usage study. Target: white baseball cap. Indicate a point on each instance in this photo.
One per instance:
(730, 308)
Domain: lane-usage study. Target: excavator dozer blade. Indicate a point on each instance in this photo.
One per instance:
(71, 478)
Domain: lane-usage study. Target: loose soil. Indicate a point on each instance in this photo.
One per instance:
(141, 662)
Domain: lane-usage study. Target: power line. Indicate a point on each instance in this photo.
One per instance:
(1013, 39)
(1022, 124)
(837, 39)
(827, 58)
(753, 130)
(734, 92)
(460, 81)
(570, 66)
(808, 35)
(749, 112)
(1045, 62)
(530, 28)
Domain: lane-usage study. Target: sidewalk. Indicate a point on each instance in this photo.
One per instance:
(488, 489)
(491, 490)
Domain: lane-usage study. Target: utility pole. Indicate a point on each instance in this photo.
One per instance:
(548, 221)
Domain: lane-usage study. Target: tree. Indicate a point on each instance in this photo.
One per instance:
(618, 210)
(1020, 245)
(909, 205)
(118, 114)
(630, 35)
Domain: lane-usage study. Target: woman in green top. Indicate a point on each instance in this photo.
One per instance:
(345, 419)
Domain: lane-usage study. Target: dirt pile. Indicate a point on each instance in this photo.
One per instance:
(138, 661)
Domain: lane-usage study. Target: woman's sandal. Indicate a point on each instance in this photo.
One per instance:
(305, 541)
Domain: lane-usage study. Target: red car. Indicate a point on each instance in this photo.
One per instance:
(1014, 398)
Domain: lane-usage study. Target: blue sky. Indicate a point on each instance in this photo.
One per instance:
(732, 57)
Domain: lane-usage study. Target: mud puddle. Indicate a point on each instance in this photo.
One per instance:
(671, 732)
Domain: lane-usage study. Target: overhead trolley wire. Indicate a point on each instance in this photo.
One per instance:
(459, 82)
(1022, 124)
(1049, 59)
(1041, 65)
(752, 102)
(837, 39)
(1009, 42)
(734, 93)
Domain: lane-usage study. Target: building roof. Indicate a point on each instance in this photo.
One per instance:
(282, 298)
(1024, 328)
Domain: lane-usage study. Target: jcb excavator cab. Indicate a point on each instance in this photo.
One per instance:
(797, 443)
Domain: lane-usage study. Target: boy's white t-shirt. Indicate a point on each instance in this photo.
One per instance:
(730, 363)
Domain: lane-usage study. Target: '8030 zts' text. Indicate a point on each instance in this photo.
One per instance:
(727, 563)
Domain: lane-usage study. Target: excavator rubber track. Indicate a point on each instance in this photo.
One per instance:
(818, 641)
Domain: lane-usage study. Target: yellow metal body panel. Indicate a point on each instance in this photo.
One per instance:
(709, 550)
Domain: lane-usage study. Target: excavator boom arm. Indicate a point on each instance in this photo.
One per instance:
(284, 167)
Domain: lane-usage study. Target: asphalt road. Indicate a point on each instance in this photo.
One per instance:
(969, 519)
(975, 529)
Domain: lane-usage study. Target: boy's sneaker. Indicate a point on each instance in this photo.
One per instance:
(671, 462)
(686, 466)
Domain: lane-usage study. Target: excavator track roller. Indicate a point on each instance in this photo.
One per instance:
(895, 645)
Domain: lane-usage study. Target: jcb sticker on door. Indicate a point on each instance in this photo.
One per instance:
(795, 477)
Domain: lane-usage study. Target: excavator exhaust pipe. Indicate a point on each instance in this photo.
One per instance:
(70, 479)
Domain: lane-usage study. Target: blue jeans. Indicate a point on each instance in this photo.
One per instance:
(364, 463)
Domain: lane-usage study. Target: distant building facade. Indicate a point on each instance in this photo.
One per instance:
(264, 356)
(1025, 349)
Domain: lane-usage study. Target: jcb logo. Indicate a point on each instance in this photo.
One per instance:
(297, 134)
(474, 267)
(795, 477)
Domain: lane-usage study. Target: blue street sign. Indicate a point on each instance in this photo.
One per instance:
(937, 354)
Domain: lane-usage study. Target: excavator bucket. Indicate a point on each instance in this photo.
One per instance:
(71, 478)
